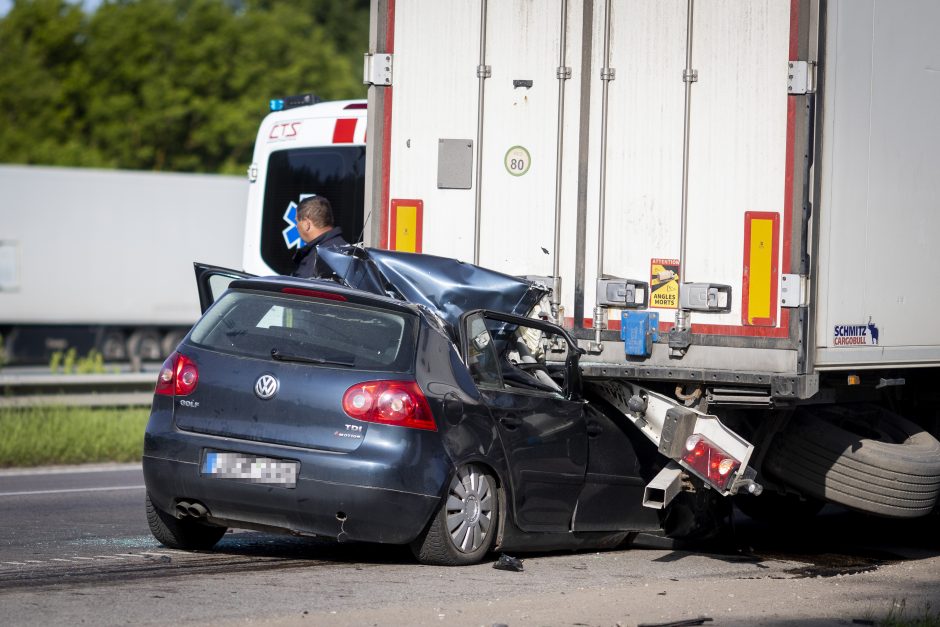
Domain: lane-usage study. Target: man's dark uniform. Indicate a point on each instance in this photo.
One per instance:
(308, 262)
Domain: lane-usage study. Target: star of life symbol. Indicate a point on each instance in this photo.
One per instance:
(291, 233)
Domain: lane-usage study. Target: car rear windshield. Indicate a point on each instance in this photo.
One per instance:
(314, 331)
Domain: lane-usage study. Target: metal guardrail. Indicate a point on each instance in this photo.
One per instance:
(85, 390)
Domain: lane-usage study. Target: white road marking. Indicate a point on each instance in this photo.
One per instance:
(90, 559)
(34, 562)
(14, 563)
(58, 559)
(68, 470)
(73, 490)
(109, 557)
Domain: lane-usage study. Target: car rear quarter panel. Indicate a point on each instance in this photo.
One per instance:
(467, 430)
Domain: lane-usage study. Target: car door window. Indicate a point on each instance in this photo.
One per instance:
(515, 356)
(213, 281)
(218, 283)
(481, 354)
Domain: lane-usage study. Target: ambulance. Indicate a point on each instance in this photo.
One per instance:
(304, 147)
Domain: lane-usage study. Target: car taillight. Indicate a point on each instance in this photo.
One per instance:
(178, 375)
(391, 403)
(709, 461)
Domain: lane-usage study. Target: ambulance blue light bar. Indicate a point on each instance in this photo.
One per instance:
(300, 100)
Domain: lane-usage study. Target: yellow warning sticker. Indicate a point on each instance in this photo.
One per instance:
(664, 283)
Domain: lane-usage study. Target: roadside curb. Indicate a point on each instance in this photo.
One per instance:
(67, 470)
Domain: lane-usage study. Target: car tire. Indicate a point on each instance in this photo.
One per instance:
(699, 516)
(863, 457)
(464, 526)
(178, 533)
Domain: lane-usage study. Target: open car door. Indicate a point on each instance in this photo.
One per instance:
(571, 467)
(537, 409)
(212, 281)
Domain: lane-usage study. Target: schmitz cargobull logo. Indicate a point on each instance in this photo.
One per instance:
(855, 334)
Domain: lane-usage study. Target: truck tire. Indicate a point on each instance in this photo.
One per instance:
(144, 345)
(170, 341)
(113, 346)
(862, 456)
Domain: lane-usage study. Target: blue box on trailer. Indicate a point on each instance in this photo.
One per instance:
(638, 330)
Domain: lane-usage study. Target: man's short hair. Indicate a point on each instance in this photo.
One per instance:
(316, 209)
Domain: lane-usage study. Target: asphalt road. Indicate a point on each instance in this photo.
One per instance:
(75, 548)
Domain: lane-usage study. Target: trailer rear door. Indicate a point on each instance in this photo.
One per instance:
(878, 264)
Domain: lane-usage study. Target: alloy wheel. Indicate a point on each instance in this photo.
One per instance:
(470, 503)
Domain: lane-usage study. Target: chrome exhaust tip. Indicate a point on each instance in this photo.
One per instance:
(197, 510)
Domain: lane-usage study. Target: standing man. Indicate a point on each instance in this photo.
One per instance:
(315, 223)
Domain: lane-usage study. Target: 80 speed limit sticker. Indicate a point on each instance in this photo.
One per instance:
(517, 161)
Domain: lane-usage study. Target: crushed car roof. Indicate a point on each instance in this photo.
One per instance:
(447, 286)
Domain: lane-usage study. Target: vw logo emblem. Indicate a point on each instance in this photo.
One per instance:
(266, 386)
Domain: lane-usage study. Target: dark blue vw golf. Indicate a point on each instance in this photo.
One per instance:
(312, 407)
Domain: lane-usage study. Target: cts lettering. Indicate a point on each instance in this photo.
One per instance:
(284, 130)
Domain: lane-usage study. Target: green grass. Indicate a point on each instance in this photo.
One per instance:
(899, 615)
(918, 617)
(71, 435)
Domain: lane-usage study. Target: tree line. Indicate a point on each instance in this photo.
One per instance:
(176, 85)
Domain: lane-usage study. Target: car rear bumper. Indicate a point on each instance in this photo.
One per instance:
(341, 511)
(376, 494)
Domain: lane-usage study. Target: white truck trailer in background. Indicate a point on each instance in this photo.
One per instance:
(103, 259)
(762, 174)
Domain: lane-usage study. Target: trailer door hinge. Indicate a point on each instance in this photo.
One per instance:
(377, 69)
(801, 77)
(794, 290)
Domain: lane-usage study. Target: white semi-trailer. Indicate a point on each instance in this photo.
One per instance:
(735, 201)
(102, 259)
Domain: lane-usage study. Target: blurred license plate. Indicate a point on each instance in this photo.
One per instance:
(248, 468)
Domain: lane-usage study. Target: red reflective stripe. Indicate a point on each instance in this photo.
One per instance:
(344, 130)
(386, 138)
